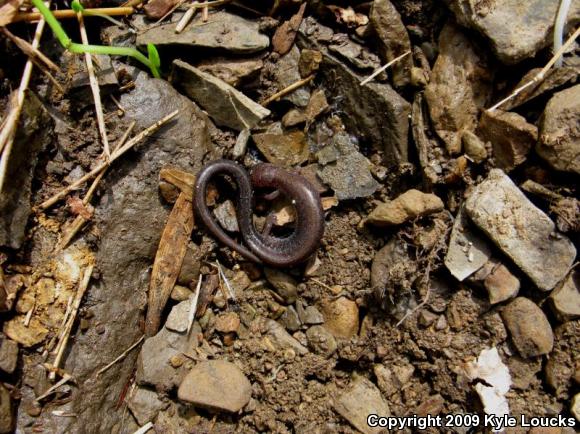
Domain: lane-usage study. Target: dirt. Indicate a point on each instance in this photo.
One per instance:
(418, 326)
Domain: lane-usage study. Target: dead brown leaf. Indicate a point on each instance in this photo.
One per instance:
(284, 37)
(8, 10)
(77, 207)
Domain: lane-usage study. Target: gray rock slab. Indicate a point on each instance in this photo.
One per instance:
(131, 216)
(154, 363)
(345, 169)
(32, 136)
(516, 29)
(223, 31)
(8, 355)
(521, 230)
(358, 401)
(375, 112)
(286, 72)
(559, 142)
(467, 250)
(224, 104)
(145, 404)
(216, 385)
(178, 318)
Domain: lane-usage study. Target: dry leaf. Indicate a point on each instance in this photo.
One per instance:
(8, 10)
(77, 207)
(284, 37)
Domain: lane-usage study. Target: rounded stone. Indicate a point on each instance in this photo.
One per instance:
(529, 328)
(341, 318)
(227, 322)
(216, 385)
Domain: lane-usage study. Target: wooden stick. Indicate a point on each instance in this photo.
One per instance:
(188, 15)
(144, 428)
(94, 88)
(62, 381)
(115, 155)
(540, 75)
(70, 13)
(84, 284)
(8, 133)
(384, 67)
(121, 356)
(287, 90)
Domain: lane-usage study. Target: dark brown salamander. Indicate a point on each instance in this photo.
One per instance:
(262, 248)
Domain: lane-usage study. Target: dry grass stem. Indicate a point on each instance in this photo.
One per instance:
(8, 133)
(84, 284)
(79, 220)
(119, 106)
(193, 306)
(383, 68)
(144, 428)
(69, 13)
(65, 379)
(287, 90)
(122, 355)
(186, 18)
(115, 155)
(94, 88)
(540, 75)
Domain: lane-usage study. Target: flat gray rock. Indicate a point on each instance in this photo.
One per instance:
(216, 385)
(32, 136)
(516, 29)
(345, 169)
(224, 104)
(375, 112)
(145, 404)
(281, 338)
(178, 318)
(467, 251)
(286, 72)
(521, 230)
(223, 31)
(361, 399)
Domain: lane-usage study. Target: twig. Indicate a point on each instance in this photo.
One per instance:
(193, 306)
(204, 13)
(382, 68)
(144, 428)
(70, 13)
(121, 356)
(84, 284)
(8, 132)
(324, 285)
(29, 316)
(169, 12)
(63, 380)
(115, 155)
(287, 90)
(232, 296)
(94, 87)
(186, 18)
(540, 75)
(118, 104)
(79, 220)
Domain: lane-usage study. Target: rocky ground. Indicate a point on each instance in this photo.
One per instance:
(446, 280)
